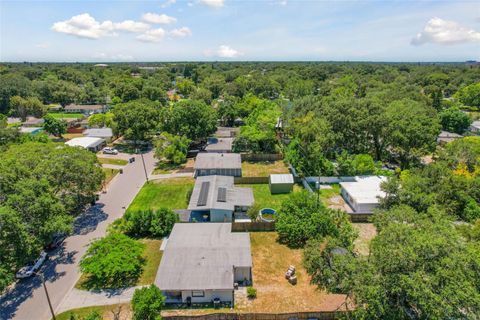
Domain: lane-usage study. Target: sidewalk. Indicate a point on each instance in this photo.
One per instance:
(80, 298)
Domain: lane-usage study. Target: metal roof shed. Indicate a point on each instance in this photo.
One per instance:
(281, 183)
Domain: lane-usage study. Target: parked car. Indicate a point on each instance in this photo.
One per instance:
(56, 241)
(29, 270)
(108, 150)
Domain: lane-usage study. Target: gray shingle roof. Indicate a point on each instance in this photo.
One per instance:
(235, 196)
(218, 161)
(201, 256)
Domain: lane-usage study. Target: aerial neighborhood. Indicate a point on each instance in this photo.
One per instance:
(224, 186)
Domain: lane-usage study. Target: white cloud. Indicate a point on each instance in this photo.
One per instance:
(283, 2)
(445, 32)
(213, 3)
(152, 35)
(85, 26)
(158, 18)
(225, 51)
(168, 3)
(181, 33)
(131, 26)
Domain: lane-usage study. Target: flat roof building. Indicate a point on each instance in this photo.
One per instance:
(225, 164)
(90, 143)
(202, 261)
(363, 194)
(104, 133)
(216, 199)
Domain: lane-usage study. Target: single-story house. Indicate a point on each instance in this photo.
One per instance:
(475, 127)
(225, 164)
(89, 143)
(216, 199)
(446, 137)
(104, 133)
(33, 122)
(363, 194)
(281, 183)
(202, 262)
(85, 108)
(31, 130)
(219, 145)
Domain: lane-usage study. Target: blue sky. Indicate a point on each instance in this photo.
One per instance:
(202, 30)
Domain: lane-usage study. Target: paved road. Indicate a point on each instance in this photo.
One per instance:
(27, 301)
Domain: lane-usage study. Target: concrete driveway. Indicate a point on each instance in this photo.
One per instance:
(27, 300)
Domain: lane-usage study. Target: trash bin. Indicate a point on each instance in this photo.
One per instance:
(121, 171)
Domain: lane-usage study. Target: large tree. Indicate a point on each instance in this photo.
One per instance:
(193, 119)
(172, 148)
(409, 273)
(136, 120)
(54, 126)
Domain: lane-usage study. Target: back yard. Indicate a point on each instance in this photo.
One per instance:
(263, 197)
(171, 193)
(263, 168)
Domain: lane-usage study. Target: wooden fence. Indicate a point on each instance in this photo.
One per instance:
(253, 226)
(321, 315)
(251, 180)
(261, 156)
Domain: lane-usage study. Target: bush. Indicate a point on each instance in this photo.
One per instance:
(253, 212)
(251, 292)
(149, 223)
(300, 219)
(147, 303)
(114, 261)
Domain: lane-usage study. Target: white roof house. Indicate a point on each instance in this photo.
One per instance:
(363, 194)
(105, 133)
(90, 143)
(202, 261)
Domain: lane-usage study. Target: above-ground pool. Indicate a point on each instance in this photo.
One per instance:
(267, 214)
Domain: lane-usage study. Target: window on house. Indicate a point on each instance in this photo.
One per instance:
(198, 293)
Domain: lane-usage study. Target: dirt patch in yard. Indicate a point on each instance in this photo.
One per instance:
(274, 293)
(263, 168)
(366, 232)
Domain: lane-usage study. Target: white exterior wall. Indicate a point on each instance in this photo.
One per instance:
(242, 273)
(209, 295)
(220, 215)
(358, 207)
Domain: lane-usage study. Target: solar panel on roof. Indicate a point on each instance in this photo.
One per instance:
(222, 195)
(202, 198)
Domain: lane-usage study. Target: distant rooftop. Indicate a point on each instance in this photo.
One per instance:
(99, 132)
(202, 256)
(84, 106)
(218, 161)
(366, 189)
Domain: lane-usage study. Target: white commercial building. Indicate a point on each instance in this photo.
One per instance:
(89, 143)
(364, 193)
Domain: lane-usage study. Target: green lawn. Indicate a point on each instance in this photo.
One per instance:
(152, 255)
(118, 162)
(63, 115)
(105, 312)
(110, 174)
(169, 193)
(263, 197)
(326, 194)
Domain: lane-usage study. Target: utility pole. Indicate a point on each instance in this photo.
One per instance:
(46, 293)
(144, 168)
